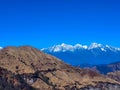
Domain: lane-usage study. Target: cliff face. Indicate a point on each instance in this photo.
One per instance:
(41, 71)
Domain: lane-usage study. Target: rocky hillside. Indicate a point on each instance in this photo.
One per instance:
(10, 81)
(114, 75)
(34, 69)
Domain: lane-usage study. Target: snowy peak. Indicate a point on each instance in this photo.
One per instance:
(83, 54)
(66, 47)
(57, 48)
(1, 48)
(95, 45)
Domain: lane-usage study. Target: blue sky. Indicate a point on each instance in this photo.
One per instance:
(43, 23)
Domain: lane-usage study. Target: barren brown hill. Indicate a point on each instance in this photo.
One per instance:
(114, 75)
(45, 72)
(10, 81)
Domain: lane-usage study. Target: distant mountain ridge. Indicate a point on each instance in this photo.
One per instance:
(83, 54)
(106, 68)
(66, 47)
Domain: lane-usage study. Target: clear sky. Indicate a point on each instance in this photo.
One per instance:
(43, 23)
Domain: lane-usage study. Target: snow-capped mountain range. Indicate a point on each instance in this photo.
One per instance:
(83, 54)
(66, 47)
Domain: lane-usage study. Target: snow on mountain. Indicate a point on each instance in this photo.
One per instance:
(83, 54)
(95, 45)
(1, 48)
(58, 48)
(66, 47)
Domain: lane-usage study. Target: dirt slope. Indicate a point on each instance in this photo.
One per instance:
(44, 72)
